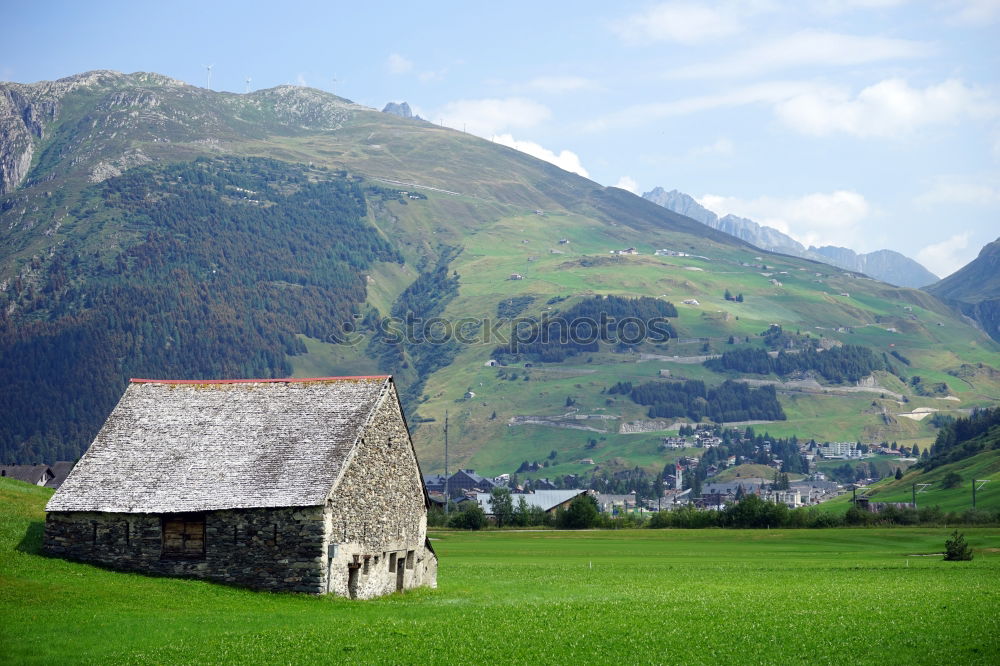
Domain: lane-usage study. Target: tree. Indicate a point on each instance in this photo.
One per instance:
(503, 506)
(728, 295)
(739, 298)
(956, 549)
(951, 480)
(581, 514)
(899, 473)
(471, 517)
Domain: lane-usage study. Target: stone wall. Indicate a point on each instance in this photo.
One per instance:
(377, 516)
(272, 549)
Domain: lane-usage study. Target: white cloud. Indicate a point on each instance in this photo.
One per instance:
(628, 183)
(565, 159)
(639, 114)
(432, 75)
(397, 64)
(805, 49)
(948, 256)
(684, 23)
(841, 6)
(300, 80)
(561, 84)
(951, 192)
(487, 117)
(887, 109)
(975, 12)
(718, 148)
(819, 218)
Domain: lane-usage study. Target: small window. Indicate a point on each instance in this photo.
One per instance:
(409, 559)
(392, 561)
(184, 536)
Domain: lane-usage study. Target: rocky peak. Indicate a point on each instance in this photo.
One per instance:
(683, 204)
(401, 109)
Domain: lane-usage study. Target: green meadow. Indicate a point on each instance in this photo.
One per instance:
(865, 596)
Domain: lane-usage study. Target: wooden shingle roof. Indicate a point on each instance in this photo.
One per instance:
(177, 446)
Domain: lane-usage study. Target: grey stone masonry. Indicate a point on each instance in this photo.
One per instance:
(377, 517)
(272, 549)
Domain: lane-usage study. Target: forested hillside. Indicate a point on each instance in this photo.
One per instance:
(197, 270)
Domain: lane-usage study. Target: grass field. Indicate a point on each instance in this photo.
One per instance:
(630, 596)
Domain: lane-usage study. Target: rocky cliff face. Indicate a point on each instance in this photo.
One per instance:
(683, 204)
(885, 265)
(975, 289)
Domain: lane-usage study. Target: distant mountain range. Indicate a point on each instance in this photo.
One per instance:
(885, 265)
(975, 289)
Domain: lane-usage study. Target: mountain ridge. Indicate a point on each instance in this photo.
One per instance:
(886, 265)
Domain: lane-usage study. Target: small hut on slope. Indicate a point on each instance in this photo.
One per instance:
(295, 485)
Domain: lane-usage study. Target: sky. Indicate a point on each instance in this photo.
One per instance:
(867, 124)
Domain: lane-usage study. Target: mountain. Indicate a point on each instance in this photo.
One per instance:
(885, 265)
(150, 228)
(975, 289)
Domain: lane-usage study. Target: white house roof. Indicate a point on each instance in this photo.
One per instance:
(546, 500)
(176, 446)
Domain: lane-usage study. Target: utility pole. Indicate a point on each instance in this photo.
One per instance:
(981, 482)
(913, 489)
(447, 481)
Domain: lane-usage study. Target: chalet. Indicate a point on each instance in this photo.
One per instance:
(305, 485)
(36, 475)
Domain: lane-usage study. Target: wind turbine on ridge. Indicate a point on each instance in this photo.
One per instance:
(209, 68)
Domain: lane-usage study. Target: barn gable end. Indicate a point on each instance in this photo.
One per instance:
(239, 482)
(370, 532)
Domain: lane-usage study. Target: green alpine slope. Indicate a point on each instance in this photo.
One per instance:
(151, 228)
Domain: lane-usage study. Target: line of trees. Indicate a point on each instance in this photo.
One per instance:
(964, 437)
(730, 401)
(579, 328)
(848, 363)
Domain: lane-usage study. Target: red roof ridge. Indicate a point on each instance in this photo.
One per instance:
(286, 380)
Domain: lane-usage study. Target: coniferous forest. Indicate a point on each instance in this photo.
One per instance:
(218, 264)
(847, 363)
(730, 401)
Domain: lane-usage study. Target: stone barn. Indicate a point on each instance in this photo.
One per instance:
(305, 485)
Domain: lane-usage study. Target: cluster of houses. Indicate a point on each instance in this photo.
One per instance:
(467, 486)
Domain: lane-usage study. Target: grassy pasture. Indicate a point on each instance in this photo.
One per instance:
(632, 596)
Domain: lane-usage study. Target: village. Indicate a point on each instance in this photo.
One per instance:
(689, 481)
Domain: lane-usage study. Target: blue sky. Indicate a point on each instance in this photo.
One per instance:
(863, 123)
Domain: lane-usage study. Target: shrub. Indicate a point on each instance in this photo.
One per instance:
(956, 549)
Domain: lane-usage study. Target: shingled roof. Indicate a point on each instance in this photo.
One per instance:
(177, 446)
